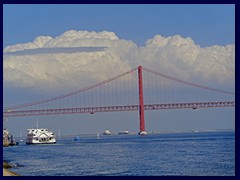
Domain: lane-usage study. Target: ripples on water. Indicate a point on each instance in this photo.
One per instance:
(190, 154)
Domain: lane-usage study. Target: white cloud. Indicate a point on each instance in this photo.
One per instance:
(79, 58)
(181, 57)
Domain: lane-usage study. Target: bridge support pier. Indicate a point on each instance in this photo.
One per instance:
(141, 103)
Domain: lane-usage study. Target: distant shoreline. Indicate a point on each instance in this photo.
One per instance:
(91, 135)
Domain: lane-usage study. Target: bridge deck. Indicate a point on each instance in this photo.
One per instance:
(92, 110)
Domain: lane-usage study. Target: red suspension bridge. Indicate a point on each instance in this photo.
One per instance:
(139, 89)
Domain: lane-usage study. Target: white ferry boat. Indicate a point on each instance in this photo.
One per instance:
(40, 136)
(107, 132)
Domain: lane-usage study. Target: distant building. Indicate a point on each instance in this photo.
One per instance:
(6, 138)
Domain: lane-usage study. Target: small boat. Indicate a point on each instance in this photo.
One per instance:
(195, 131)
(124, 132)
(21, 137)
(77, 138)
(107, 132)
(40, 136)
(142, 133)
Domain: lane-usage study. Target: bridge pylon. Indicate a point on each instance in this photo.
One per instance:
(141, 102)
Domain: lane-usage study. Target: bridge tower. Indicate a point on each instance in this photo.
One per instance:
(141, 102)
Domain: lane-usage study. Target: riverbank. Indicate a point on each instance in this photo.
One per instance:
(6, 171)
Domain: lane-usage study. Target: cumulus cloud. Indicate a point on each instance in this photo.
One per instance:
(79, 58)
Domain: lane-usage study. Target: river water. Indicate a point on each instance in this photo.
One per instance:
(177, 154)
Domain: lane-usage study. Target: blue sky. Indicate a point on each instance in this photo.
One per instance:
(207, 25)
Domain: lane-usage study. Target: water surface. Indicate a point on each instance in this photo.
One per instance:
(179, 154)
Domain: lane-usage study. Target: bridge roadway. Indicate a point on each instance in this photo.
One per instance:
(92, 110)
